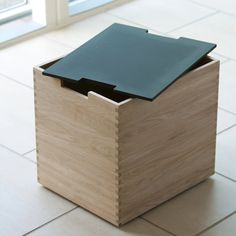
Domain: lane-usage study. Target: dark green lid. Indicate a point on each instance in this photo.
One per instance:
(131, 60)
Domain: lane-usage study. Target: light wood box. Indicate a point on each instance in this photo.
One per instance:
(120, 158)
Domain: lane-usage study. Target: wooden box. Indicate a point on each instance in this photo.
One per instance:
(119, 157)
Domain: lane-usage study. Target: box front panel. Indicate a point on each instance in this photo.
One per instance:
(77, 146)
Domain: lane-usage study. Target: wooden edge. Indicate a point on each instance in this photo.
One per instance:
(94, 95)
(49, 62)
(38, 70)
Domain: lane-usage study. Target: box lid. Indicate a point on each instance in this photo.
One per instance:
(131, 60)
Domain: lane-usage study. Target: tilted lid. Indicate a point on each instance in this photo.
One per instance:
(131, 60)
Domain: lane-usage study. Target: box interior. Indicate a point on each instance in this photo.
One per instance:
(84, 85)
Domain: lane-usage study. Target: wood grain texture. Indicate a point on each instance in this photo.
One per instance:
(77, 146)
(120, 159)
(168, 145)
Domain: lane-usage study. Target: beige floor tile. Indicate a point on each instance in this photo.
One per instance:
(229, 6)
(226, 153)
(161, 15)
(31, 156)
(17, 61)
(24, 204)
(225, 120)
(219, 28)
(218, 57)
(82, 223)
(227, 86)
(196, 209)
(225, 228)
(16, 116)
(80, 32)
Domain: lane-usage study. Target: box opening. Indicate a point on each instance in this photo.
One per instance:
(202, 62)
(84, 86)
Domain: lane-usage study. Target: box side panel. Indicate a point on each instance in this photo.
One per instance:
(77, 146)
(168, 145)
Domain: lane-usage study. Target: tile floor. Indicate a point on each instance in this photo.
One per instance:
(27, 208)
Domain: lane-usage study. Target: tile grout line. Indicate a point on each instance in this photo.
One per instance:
(26, 158)
(225, 59)
(157, 226)
(141, 25)
(50, 221)
(59, 42)
(226, 129)
(212, 8)
(194, 21)
(216, 223)
(166, 33)
(138, 24)
(228, 13)
(224, 176)
(221, 55)
(203, 5)
(203, 229)
(232, 59)
(230, 112)
(16, 81)
(5, 147)
(9, 149)
(28, 152)
(16, 153)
